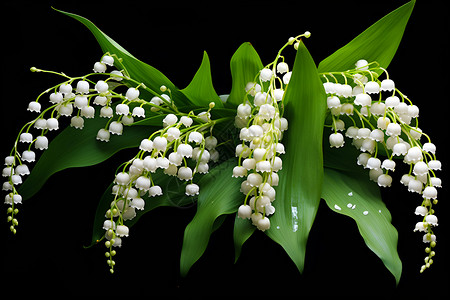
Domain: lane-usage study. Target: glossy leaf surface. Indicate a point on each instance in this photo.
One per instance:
(353, 195)
(201, 91)
(300, 186)
(219, 195)
(138, 70)
(377, 43)
(244, 65)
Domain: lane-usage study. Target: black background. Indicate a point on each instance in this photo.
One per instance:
(46, 255)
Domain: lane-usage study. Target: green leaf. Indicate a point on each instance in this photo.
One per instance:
(219, 195)
(243, 229)
(300, 186)
(342, 190)
(79, 148)
(201, 91)
(244, 64)
(138, 70)
(378, 43)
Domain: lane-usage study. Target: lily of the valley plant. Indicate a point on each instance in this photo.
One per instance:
(288, 135)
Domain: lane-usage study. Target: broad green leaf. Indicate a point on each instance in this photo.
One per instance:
(79, 148)
(377, 43)
(300, 186)
(243, 229)
(219, 195)
(138, 70)
(353, 195)
(244, 64)
(201, 91)
(173, 195)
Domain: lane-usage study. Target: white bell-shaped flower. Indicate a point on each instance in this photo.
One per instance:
(263, 224)
(52, 124)
(106, 112)
(192, 189)
(333, 102)
(143, 183)
(372, 87)
(388, 164)
(22, 170)
(28, 156)
(116, 128)
(26, 137)
(138, 112)
(266, 74)
(170, 120)
(88, 112)
(173, 133)
(103, 135)
(415, 186)
(421, 211)
(244, 211)
(195, 137)
(82, 87)
(122, 178)
(420, 168)
(146, 145)
(362, 65)
(430, 192)
(77, 122)
(363, 100)
(187, 121)
(384, 180)
(429, 147)
(393, 129)
(41, 143)
(132, 94)
(162, 162)
(56, 97)
(155, 191)
(122, 230)
(80, 101)
(282, 67)
(122, 109)
(373, 163)
(185, 150)
(101, 86)
(432, 220)
(336, 140)
(420, 226)
(99, 67)
(160, 143)
(239, 171)
(108, 60)
(34, 106)
(185, 173)
(65, 88)
(387, 85)
(434, 165)
(138, 203)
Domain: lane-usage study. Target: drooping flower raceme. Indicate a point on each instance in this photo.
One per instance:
(381, 121)
(261, 122)
(180, 149)
(183, 147)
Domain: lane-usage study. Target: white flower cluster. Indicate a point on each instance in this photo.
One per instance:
(382, 119)
(180, 149)
(261, 129)
(63, 99)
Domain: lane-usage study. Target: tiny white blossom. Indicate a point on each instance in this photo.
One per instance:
(265, 75)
